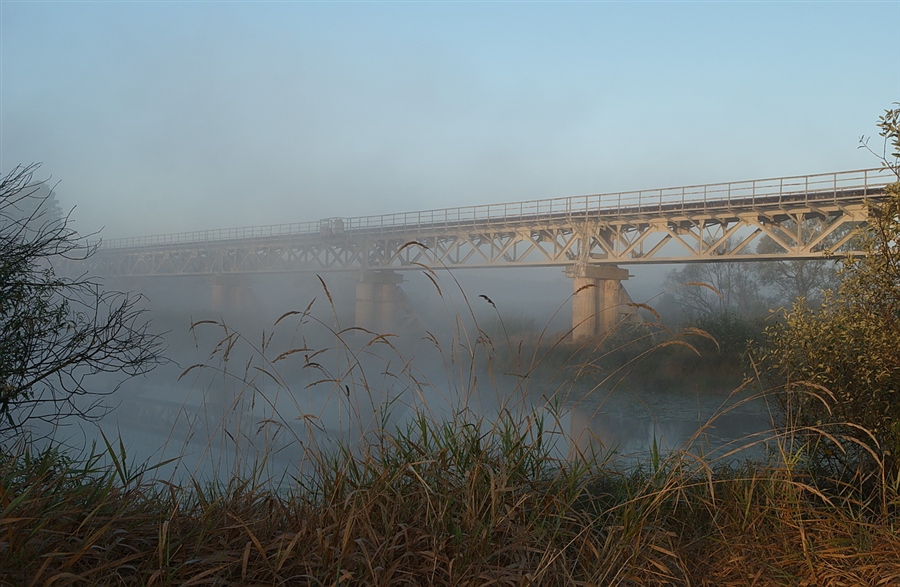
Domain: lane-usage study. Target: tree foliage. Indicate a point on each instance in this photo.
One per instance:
(841, 362)
(56, 331)
(729, 288)
(797, 278)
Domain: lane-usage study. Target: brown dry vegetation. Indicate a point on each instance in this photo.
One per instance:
(456, 501)
(447, 505)
(446, 502)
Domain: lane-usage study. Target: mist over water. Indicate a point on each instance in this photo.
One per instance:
(246, 396)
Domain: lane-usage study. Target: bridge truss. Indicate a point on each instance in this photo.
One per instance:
(803, 217)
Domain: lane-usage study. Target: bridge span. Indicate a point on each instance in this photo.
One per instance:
(588, 235)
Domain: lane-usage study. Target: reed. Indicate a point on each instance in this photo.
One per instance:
(439, 496)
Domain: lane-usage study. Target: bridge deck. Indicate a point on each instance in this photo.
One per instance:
(716, 222)
(730, 199)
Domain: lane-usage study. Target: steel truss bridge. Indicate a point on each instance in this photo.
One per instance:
(703, 223)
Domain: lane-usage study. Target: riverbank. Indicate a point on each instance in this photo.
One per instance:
(449, 504)
(503, 494)
(643, 357)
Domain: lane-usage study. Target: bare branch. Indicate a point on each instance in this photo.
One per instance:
(56, 332)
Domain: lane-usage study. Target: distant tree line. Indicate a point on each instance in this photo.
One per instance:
(751, 289)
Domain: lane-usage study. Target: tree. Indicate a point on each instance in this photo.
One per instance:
(841, 362)
(732, 290)
(798, 278)
(57, 331)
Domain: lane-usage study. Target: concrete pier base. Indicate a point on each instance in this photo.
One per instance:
(600, 301)
(378, 300)
(230, 293)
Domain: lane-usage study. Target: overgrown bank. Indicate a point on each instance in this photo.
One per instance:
(705, 355)
(445, 504)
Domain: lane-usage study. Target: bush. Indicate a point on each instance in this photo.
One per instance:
(841, 363)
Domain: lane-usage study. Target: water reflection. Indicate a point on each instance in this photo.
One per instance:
(221, 427)
(628, 424)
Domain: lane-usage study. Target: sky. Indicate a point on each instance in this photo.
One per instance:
(161, 117)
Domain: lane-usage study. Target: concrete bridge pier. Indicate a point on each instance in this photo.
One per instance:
(599, 302)
(229, 292)
(378, 300)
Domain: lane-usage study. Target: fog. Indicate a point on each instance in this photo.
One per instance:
(232, 400)
(156, 118)
(169, 117)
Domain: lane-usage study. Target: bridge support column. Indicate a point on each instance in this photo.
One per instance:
(229, 292)
(599, 300)
(378, 299)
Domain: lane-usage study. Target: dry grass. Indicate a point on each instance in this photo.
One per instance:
(443, 501)
(442, 505)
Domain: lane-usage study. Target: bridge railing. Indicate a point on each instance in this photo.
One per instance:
(219, 234)
(812, 189)
(747, 195)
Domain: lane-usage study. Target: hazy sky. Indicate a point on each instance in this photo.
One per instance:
(172, 116)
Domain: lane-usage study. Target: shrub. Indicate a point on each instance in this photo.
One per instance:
(841, 363)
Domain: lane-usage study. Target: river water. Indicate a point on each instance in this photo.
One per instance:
(214, 429)
(264, 407)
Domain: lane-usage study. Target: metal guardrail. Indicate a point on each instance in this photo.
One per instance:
(819, 188)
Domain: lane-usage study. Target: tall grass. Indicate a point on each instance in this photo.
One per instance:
(419, 489)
